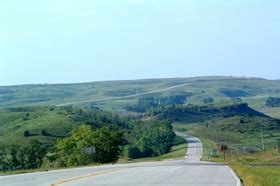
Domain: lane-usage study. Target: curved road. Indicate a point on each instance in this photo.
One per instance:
(187, 171)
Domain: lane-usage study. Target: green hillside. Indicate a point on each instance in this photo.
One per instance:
(254, 91)
(56, 121)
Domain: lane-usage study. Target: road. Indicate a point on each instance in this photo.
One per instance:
(186, 171)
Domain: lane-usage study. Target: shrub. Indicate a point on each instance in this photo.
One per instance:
(26, 133)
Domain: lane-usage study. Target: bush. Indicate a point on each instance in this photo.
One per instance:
(26, 133)
(132, 152)
(44, 132)
(208, 100)
(273, 102)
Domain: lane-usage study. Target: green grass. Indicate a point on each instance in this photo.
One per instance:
(255, 169)
(14, 122)
(178, 150)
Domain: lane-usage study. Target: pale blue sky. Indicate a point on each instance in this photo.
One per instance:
(60, 41)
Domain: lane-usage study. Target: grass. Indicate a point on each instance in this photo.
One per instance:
(255, 169)
(178, 150)
(56, 122)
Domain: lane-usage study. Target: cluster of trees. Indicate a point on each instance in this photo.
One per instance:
(67, 152)
(150, 139)
(97, 118)
(29, 156)
(146, 104)
(196, 113)
(208, 100)
(273, 102)
(235, 93)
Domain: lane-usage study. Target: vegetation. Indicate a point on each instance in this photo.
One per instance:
(25, 157)
(195, 113)
(178, 150)
(273, 102)
(209, 108)
(146, 104)
(64, 131)
(208, 100)
(67, 152)
(150, 139)
(254, 91)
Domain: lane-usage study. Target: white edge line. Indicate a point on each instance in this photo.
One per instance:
(235, 176)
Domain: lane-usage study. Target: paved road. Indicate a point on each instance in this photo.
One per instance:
(187, 171)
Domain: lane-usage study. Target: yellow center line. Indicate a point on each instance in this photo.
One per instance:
(83, 177)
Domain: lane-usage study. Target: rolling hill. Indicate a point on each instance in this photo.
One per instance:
(254, 91)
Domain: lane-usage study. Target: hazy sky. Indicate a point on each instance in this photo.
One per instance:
(55, 41)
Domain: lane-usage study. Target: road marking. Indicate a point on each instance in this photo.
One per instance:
(235, 176)
(82, 177)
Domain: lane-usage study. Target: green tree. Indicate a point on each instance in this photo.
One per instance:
(33, 154)
(106, 141)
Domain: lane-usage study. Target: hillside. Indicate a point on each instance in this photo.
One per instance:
(195, 113)
(56, 121)
(199, 91)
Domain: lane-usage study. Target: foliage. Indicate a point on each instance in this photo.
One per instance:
(150, 139)
(48, 124)
(195, 113)
(26, 133)
(67, 152)
(148, 103)
(29, 156)
(208, 100)
(273, 102)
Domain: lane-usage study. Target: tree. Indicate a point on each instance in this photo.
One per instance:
(33, 154)
(132, 152)
(152, 139)
(44, 132)
(106, 141)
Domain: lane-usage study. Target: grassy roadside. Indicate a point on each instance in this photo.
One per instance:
(254, 170)
(179, 150)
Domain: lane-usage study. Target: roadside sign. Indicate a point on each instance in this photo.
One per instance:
(224, 148)
(88, 150)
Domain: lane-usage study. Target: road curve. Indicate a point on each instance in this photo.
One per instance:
(187, 171)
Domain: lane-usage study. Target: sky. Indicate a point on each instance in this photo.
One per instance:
(66, 41)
